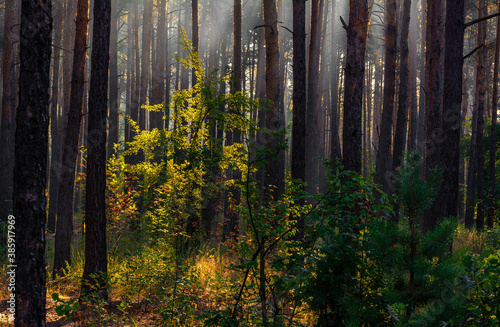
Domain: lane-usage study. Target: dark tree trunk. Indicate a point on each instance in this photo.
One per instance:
(481, 89)
(493, 137)
(55, 124)
(357, 32)
(96, 261)
(404, 103)
(299, 90)
(194, 35)
(9, 96)
(30, 167)
(476, 167)
(383, 165)
(114, 99)
(274, 170)
(64, 226)
(334, 87)
(433, 85)
(449, 150)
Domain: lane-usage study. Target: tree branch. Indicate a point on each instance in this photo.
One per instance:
(475, 21)
(473, 51)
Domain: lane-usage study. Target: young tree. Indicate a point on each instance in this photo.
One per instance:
(357, 33)
(96, 260)
(384, 162)
(64, 225)
(30, 166)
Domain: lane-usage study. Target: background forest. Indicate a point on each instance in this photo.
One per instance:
(250, 163)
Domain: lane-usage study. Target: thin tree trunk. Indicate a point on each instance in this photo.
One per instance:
(64, 225)
(404, 103)
(274, 168)
(159, 68)
(30, 165)
(299, 94)
(474, 184)
(312, 133)
(114, 99)
(357, 33)
(383, 165)
(55, 124)
(145, 60)
(493, 137)
(9, 97)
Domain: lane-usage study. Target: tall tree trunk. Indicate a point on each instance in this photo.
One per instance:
(194, 35)
(299, 91)
(9, 96)
(275, 168)
(422, 78)
(476, 167)
(493, 137)
(55, 124)
(481, 87)
(433, 85)
(156, 118)
(312, 133)
(231, 220)
(412, 132)
(357, 33)
(404, 103)
(96, 261)
(449, 149)
(114, 99)
(30, 165)
(145, 60)
(383, 165)
(64, 226)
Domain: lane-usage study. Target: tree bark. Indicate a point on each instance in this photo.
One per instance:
(299, 90)
(95, 270)
(357, 33)
(447, 199)
(383, 164)
(30, 167)
(64, 225)
(474, 184)
(312, 113)
(493, 137)
(9, 96)
(55, 124)
(145, 60)
(114, 99)
(404, 103)
(156, 118)
(274, 168)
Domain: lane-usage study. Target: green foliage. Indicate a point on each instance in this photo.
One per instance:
(343, 284)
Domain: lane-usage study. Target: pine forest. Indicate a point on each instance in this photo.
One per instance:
(243, 163)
